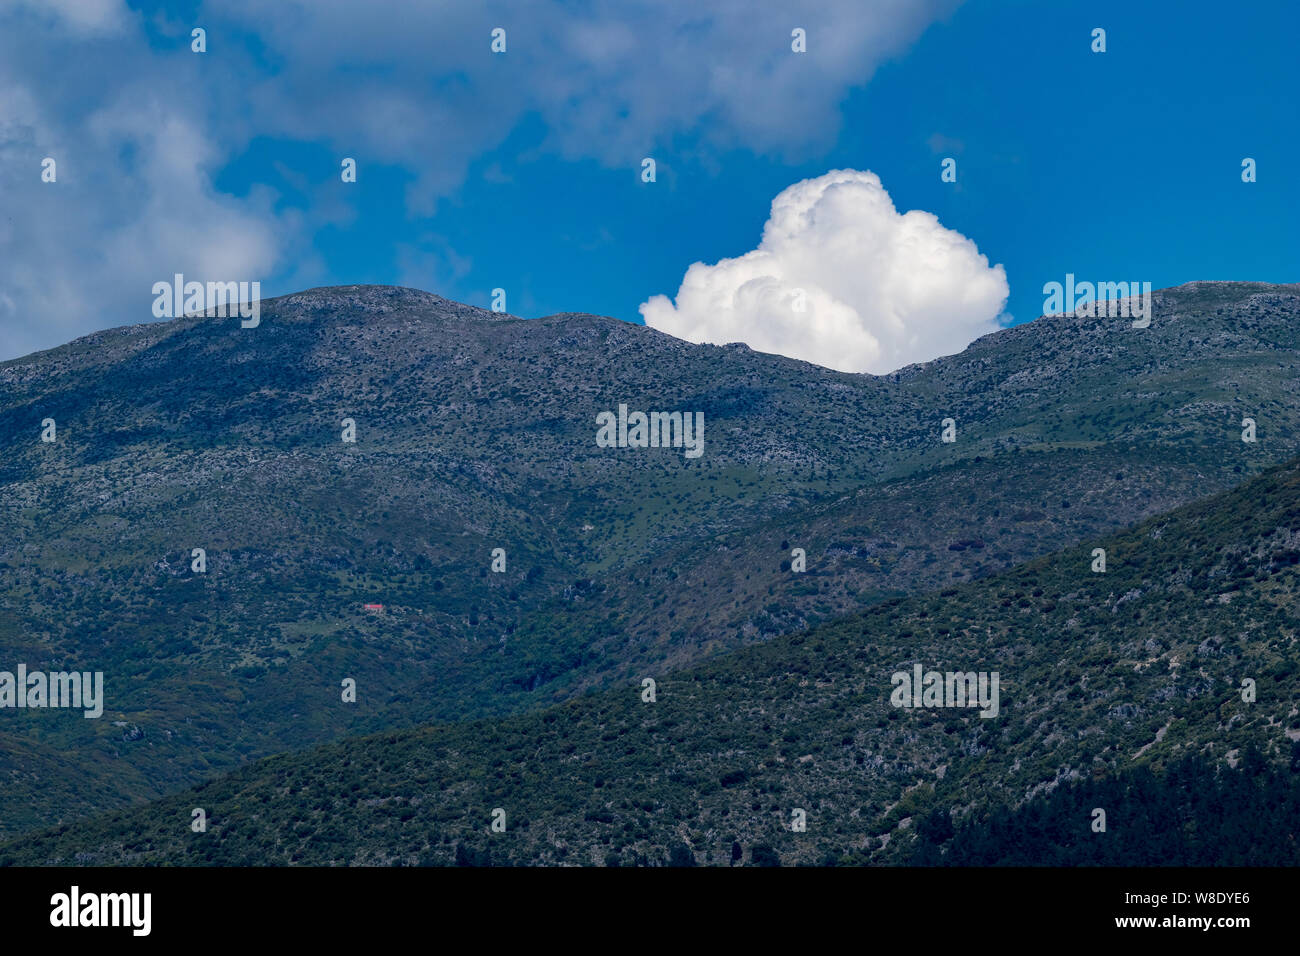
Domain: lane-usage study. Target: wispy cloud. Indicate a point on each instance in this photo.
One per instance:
(142, 127)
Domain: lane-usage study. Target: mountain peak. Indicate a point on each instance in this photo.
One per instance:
(373, 299)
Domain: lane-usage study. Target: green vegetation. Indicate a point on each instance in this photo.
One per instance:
(476, 432)
(1101, 674)
(1195, 813)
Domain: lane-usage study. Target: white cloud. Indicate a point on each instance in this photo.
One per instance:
(137, 149)
(612, 80)
(645, 71)
(133, 204)
(80, 17)
(142, 128)
(881, 289)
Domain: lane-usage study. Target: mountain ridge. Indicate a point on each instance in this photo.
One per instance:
(474, 435)
(381, 299)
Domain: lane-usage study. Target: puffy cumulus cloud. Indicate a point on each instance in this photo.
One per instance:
(844, 280)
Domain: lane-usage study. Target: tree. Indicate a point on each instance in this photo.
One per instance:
(763, 855)
(681, 855)
(467, 856)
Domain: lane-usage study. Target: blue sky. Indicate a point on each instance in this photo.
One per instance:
(522, 170)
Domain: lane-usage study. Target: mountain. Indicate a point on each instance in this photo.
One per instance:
(1182, 654)
(477, 431)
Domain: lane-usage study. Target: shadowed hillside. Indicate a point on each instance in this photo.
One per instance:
(1184, 649)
